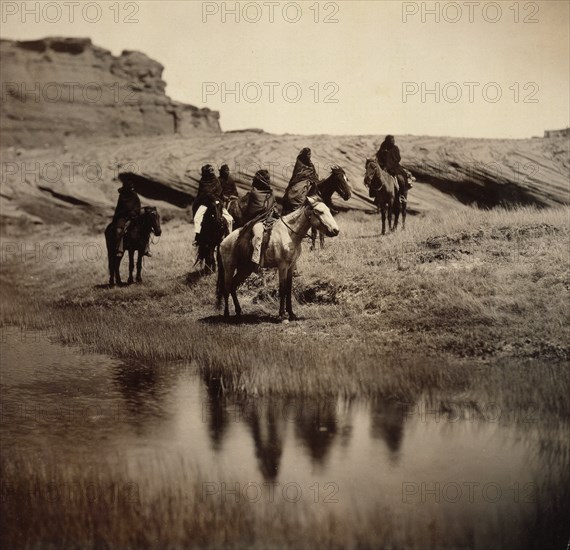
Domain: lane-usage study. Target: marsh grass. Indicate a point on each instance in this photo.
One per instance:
(435, 306)
(100, 507)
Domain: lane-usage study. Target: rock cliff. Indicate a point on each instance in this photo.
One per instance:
(55, 90)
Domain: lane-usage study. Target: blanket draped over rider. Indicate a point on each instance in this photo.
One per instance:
(304, 175)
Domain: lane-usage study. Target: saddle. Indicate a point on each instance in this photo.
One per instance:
(246, 234)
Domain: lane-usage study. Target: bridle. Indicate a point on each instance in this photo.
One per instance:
(311, 207)
(377, 175)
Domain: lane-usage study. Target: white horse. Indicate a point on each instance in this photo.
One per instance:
(283, 249)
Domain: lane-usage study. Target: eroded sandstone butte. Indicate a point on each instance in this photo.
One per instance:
(55, 90)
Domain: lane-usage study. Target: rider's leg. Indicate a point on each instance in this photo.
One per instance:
(120, 226)
(229, 220)
(198, 218)
(256, 242)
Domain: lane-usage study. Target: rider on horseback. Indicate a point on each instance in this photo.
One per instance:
(389, 158)
(260, 207)
(304, 169)
(208, 187)
(229, 188)
(128, 208)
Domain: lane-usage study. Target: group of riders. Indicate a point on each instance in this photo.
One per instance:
(261, 204)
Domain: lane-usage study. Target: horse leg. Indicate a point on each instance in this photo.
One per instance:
(288, 292)
(139, 265)
(283, 272)
(210, 260)
(383, 220)
(238, 279)
(225, 279)
(131, 266)
(404, 212)
(313, 238)
(396, 216)
(117, 266)
(111, 267)
(322, 239)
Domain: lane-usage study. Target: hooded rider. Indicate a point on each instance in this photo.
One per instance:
(389, 158)
(229, 188)
(304, 168)
(260, 206)
(128, 208)
(209, 187)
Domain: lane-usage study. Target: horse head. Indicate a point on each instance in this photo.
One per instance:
(320, 217)
(214, 225)
(341, 182)
(154, 218)
(371, 172)
(214, 211)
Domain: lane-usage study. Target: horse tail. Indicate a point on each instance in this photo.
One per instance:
(220, 284)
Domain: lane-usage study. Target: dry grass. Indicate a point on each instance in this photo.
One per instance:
(79, 507)
(387, 315)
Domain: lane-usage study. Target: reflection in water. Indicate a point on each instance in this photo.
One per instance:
(143, 387)
(267, 427)
(370, 451)
(214, 411)
(316, 427)
(387, 418)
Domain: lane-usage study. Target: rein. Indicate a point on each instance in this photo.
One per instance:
(379, 177)
(293, 231)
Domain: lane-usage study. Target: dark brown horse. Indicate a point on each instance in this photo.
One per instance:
(214, 229)
(236, 206)
(135, 240)
(336, 182)
(383, 189)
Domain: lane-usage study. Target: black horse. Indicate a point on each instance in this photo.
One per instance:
(236, 206)
(135, 240)
(336, 182)
(214, 229)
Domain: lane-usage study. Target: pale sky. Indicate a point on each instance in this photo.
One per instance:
(364, 60)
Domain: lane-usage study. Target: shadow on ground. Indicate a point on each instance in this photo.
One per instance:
(244, 319)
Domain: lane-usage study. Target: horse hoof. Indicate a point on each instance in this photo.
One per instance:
(293, 317)
(130, 282)
(139, 280)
